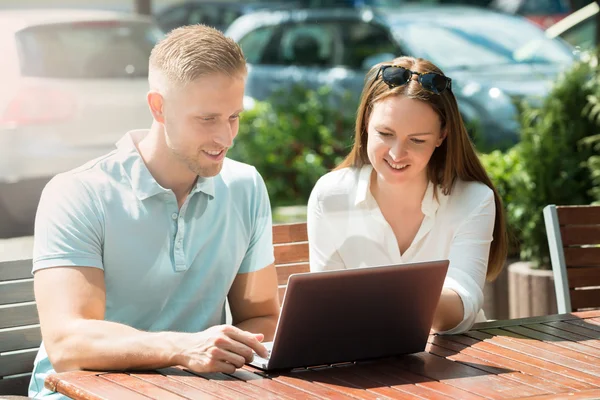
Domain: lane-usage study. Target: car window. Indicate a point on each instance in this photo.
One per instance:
(102, 49)
(544, 7)
(309, 44)
(582, 34)
(208, 14)
(485, 41)
(254, 43)
(362, 40)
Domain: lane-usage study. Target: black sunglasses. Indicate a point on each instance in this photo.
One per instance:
(397, 76)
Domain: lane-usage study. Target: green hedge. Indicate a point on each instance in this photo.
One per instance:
(552, 164)
(295, 138)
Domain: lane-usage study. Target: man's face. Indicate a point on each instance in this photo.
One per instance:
(201, 120)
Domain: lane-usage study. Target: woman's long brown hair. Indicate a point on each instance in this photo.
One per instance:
(454, 159)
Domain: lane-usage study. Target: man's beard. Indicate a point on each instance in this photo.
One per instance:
(194, 164)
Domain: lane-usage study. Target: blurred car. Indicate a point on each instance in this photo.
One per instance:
(217, 14)
(495, 60)
(73, 82)
(578, 29)
(541, 12)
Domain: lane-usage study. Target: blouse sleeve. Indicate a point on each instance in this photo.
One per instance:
(323, 253)
(469, 254)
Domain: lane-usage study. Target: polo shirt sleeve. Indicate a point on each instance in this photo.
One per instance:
(469, 254)
(68, 226)
(260, 249)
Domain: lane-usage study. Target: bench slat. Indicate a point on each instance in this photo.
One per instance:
(582, 257)
(583, 277)
(11, 270)
(578, 215)
(585, 298)
(17, 363)
(575, 235)
(16, 292)
(20, 339)
(291, 253)
(15, 386)
(284, 271)
(18, 315)
(290, 233)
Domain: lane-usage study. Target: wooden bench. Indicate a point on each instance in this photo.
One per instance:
(574, 239)
(20, 334)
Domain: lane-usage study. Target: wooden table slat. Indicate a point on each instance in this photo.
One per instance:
(320, 391)
(591, 354)
(142, 387)
(549, 378)
(328, 377)
(492, 368)
(240, 386)
(563, 334)
(537, 320)
(550, 352)
(493, 348)
(365, 384)
(363, 377)
(203, 384)
(92, 387)
(583, 328)
(587, 395)
(412, 384)
(272, 385)
(174, 386)
(464, 377)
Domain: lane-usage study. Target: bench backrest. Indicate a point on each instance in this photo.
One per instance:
(291, 252)
(20, 334)
(574, 243)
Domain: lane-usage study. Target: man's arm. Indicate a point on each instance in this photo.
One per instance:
(254, 301)
(71, 304)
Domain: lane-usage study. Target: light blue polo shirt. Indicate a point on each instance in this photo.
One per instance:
(165, 268)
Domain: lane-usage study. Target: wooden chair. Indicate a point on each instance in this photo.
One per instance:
(574, 241)
(20, 334)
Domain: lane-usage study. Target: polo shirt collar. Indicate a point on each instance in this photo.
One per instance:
(143, 183)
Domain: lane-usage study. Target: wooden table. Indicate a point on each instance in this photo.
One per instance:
(551, 357)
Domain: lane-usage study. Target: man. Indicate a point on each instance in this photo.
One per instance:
(136, 252)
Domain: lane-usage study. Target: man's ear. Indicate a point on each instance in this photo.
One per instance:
(156, 104)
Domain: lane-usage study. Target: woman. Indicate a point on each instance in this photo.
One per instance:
(412, 189)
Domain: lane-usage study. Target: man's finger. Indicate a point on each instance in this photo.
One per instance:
(249, 339)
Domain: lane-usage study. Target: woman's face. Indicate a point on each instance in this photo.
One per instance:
(402, 135)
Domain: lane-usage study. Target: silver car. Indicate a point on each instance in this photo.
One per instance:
(73, 82)
(495, 60)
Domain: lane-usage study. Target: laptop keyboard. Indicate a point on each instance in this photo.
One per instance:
(258, 360)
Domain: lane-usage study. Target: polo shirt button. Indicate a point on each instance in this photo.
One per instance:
(174, 215)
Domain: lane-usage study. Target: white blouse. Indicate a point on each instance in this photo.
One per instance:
(346, 229)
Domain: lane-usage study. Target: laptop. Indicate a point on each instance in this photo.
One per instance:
(350, 315)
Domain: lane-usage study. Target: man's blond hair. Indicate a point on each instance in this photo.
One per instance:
(190, 52)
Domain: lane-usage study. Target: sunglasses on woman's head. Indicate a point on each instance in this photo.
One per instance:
(397, 76)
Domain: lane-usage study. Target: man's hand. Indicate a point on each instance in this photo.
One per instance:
(220, 348)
